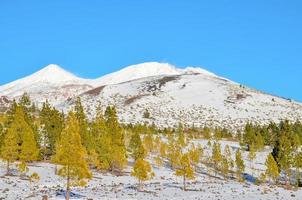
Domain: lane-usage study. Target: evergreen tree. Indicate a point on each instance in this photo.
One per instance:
(29, 113)
(142, 171)
(10, 148)
(101, 144)
(185, 169)
(206, 133)
(136, 147)
(163, 149)
(284, 155)
(298, 166)
(83, 123)
(181, 139)
(272, 170)
(227, 161)
(252, 156)
(216, 157)
(173, 153)
(28, 151)
(52, 124)
(195, 154)
(225, 166)
(118, 158)
(71, 155)
(239, 165)
(148, 142)
(228, 155)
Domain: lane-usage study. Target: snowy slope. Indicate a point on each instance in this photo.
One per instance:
(57, 85)
(192, 95)
(165, 185)
(52, 83)
(147, 69)
(194, 99)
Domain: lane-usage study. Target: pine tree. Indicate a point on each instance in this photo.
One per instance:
(28, 151)
(118, 158)
(163, 149)
(173, 153)
(298, 166)
(28, 113)
(272, 170)
(225, 167)
(227, 161)
(142, 171)
(101, 144)
(10, 148)
(52, 122)
(228, 155)
(195, 155)
(239, 165)
(185, 169)
(181, 139)
(284, 156)
(252, 156)
(136, 147)
(83, 123)
(148, 142)
(216, 157)
(71, 155)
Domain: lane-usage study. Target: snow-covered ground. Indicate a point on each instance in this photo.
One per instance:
(165, 185)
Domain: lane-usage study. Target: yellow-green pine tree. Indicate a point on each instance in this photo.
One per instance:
(195, 154)
(252, 156)
(185, 169)
(228, 156)
(216, 157)
(10, 148)
(272, 170)
(28, 151)
(118, 157)
(239, 165)
(71, 155)
(142, 170)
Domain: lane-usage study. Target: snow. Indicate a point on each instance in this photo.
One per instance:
(144, 70)
(165, 185)
(194, 99)
(191, 95)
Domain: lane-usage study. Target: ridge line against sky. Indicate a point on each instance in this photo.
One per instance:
(255, 43)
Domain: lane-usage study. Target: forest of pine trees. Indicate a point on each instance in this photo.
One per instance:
(78, 145)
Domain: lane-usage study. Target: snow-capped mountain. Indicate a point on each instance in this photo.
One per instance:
(52, 83)
(146, 70)
(193, 96)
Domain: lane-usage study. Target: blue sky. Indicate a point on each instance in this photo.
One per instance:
(257, 43)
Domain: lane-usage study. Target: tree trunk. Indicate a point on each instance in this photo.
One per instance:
(7, 168)
(68, 185)
(184, 180)
(139, 185)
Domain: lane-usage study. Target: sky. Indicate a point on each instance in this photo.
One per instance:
(257, 43)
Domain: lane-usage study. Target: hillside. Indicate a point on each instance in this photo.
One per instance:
(192, 95)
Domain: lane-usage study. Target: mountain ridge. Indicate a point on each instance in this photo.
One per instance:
(172, 95)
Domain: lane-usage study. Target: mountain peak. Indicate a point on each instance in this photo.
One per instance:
(53, 73)
(147, 69)
(53, 67)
